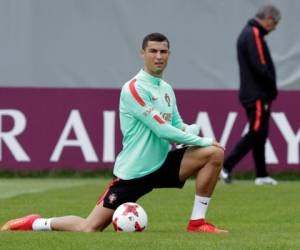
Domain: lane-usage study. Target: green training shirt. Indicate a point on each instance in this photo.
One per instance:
(150, 123)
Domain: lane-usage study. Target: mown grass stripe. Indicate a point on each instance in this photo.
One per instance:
(13, 187)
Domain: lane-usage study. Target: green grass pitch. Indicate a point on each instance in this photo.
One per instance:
(258, 217)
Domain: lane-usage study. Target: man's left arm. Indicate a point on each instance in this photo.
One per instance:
(177, 122)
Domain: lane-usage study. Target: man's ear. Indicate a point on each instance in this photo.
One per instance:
(142, 53)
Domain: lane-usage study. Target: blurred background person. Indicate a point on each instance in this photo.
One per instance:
(257, 91)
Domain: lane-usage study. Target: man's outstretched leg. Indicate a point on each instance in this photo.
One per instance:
(23, 223)
(206, 164)
(98, 220)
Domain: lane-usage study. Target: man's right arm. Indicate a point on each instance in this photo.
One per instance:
(139, 104)
(256, 55)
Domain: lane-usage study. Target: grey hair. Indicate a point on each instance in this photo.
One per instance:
(269, 11)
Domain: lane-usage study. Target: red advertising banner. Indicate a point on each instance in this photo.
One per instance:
(78, 129)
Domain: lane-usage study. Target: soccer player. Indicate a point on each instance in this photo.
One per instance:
(257, 92)
(150, 123)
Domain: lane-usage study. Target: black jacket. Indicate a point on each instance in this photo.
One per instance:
(257, 71)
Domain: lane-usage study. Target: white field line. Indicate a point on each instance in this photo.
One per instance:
(13, 187)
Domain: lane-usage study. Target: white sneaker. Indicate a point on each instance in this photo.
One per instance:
(225, 176)
(265, 181)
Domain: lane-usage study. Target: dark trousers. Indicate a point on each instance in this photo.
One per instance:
(258, 117)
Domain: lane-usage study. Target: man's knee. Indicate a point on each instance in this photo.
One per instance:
(211, 153)
(217, 156)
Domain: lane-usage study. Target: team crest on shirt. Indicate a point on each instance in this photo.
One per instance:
(166, 116)
(112, 198)
(167, 99)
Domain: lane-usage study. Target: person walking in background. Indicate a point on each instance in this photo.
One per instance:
(257, 91)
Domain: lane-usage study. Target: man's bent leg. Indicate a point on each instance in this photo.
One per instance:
(206, 164)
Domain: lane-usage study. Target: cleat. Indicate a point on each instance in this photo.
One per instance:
(24, 223)
(202, 226)
(265, 181)
(226, 176)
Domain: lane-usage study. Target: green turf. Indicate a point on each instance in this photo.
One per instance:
(265, 217)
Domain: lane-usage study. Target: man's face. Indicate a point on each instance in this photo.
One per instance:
(156, 55)
(270, 24)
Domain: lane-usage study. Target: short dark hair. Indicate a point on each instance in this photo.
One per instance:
(156, 37)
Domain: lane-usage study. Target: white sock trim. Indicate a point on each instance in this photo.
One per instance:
(41, 224)
(200, 207)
